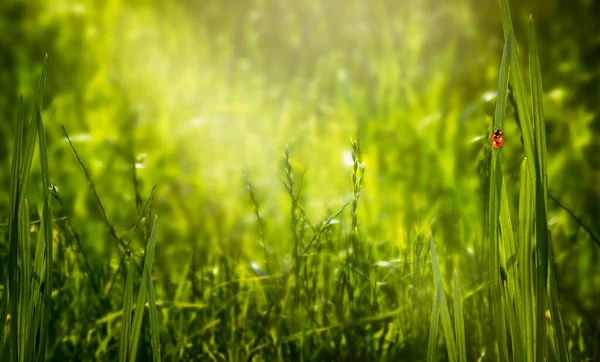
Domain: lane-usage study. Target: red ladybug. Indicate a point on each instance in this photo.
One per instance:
(497, 138)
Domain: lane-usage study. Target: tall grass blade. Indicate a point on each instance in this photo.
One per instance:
(560, 341)
(3, 315)
(126, 317)
(433, 326)
(496, 180)
(542, 239)
(444, 311)
(545, 253)
(537, 96)
(518, 82)
(459, 322)
(12, 216)
(14, 235)
(25, 280)
(512, 294)
(525, 256)
(30, 134)
(139, 307)
(47, 230)
(154, 330)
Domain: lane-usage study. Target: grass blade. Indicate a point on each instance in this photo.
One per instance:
(518, 83)
(126, 317)
(459, 323)
(560, 342)
(526, 267)
(496, 180)
(47, 230)
(154, 331)
(433, 326)
(512, 293)
(444, 312)
(542, 241)
(139, 308)
(25, 279)
(7, 304)
(3, 314)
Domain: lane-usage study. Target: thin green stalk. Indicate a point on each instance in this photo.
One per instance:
(142, 294)
(444, 311)
(459, 323)
(433, 325)
(525, 256)
(126, 317)
(496, 180)
(261, 231)
(154, 329)
(47, 231)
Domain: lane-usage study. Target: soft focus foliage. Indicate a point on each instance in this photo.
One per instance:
(190, 96)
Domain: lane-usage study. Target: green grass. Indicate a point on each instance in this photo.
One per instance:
(287, 280)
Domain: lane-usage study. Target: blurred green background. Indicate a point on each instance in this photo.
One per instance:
(188, 94)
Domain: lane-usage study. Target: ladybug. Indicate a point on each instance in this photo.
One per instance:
(497, 138)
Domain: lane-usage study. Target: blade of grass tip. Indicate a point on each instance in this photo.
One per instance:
(42, 83)
(126, 317)
(433, 326)
(496, 175)
(31, 133)
(182, 279)
(459, 323)
(444, 311)
(496, 179)
(518, 83)
(47, 229)
(503, 78)
(13, 233)
(542, 241)
(154, 330)
(16, 159)
(537, 96)
(139, 307)
(526, 267)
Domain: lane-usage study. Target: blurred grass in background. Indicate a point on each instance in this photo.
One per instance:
(188, 94)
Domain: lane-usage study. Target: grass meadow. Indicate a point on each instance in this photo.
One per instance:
(302, 181)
